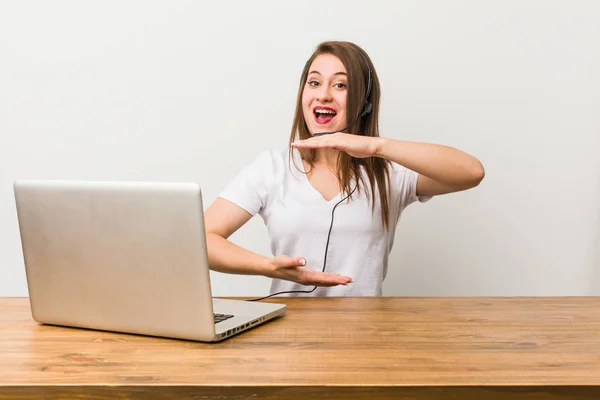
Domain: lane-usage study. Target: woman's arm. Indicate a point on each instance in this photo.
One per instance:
(222, 219)
(441, 169)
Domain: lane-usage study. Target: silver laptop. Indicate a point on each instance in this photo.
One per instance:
(125, 257)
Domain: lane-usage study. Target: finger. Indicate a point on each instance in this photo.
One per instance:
(325, 145)
(324, 278)
(290, 262)
(330, 144)
(308, 145)
(314, 142)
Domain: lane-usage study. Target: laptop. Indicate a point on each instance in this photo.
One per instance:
(125, 257)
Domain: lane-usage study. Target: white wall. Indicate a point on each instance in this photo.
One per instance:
(190, 90)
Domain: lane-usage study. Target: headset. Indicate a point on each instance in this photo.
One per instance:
(367, 107)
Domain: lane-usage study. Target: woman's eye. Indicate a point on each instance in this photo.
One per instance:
(313, 83)
(340, 85)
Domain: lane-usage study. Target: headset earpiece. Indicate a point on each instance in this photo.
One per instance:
(366, 109)
(367, 106)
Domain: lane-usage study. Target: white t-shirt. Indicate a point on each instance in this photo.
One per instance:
(298, 217)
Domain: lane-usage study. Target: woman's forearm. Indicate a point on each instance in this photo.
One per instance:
(224, 256)
(441, 163)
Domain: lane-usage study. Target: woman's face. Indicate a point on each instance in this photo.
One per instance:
(324, 95)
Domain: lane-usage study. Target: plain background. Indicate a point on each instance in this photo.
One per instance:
(193, 91)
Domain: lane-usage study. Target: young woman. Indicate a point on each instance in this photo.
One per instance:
(332, 201)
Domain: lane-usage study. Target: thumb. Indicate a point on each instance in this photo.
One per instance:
(286, 261)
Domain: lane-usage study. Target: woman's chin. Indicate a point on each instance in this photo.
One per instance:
(323, 128)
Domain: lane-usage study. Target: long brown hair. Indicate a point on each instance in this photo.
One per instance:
(354, 59)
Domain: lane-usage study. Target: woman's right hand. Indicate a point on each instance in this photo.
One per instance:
(292, 269)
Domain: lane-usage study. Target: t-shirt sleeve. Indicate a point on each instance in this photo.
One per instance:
(249, 189)
(404, 185)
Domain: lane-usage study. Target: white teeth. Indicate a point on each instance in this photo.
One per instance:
(325, 111)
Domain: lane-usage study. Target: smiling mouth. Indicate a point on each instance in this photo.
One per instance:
(323, 116)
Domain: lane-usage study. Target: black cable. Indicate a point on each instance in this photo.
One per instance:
(367, 108)
(324, 258)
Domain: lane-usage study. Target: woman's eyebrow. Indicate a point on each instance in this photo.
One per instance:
(317, 72)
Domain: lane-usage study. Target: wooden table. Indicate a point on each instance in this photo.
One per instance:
(388, 348)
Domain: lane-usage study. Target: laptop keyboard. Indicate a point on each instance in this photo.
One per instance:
(222, 317)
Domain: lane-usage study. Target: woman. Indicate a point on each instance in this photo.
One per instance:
(331, 202)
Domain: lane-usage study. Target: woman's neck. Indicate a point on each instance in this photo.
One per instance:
(327, 157)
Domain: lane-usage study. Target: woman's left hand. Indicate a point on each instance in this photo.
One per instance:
(355, 145)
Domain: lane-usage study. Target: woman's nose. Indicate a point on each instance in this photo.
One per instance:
(324, 93)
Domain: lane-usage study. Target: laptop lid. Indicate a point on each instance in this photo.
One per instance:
(118, 256)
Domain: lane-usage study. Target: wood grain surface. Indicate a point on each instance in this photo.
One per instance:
(385, 347)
